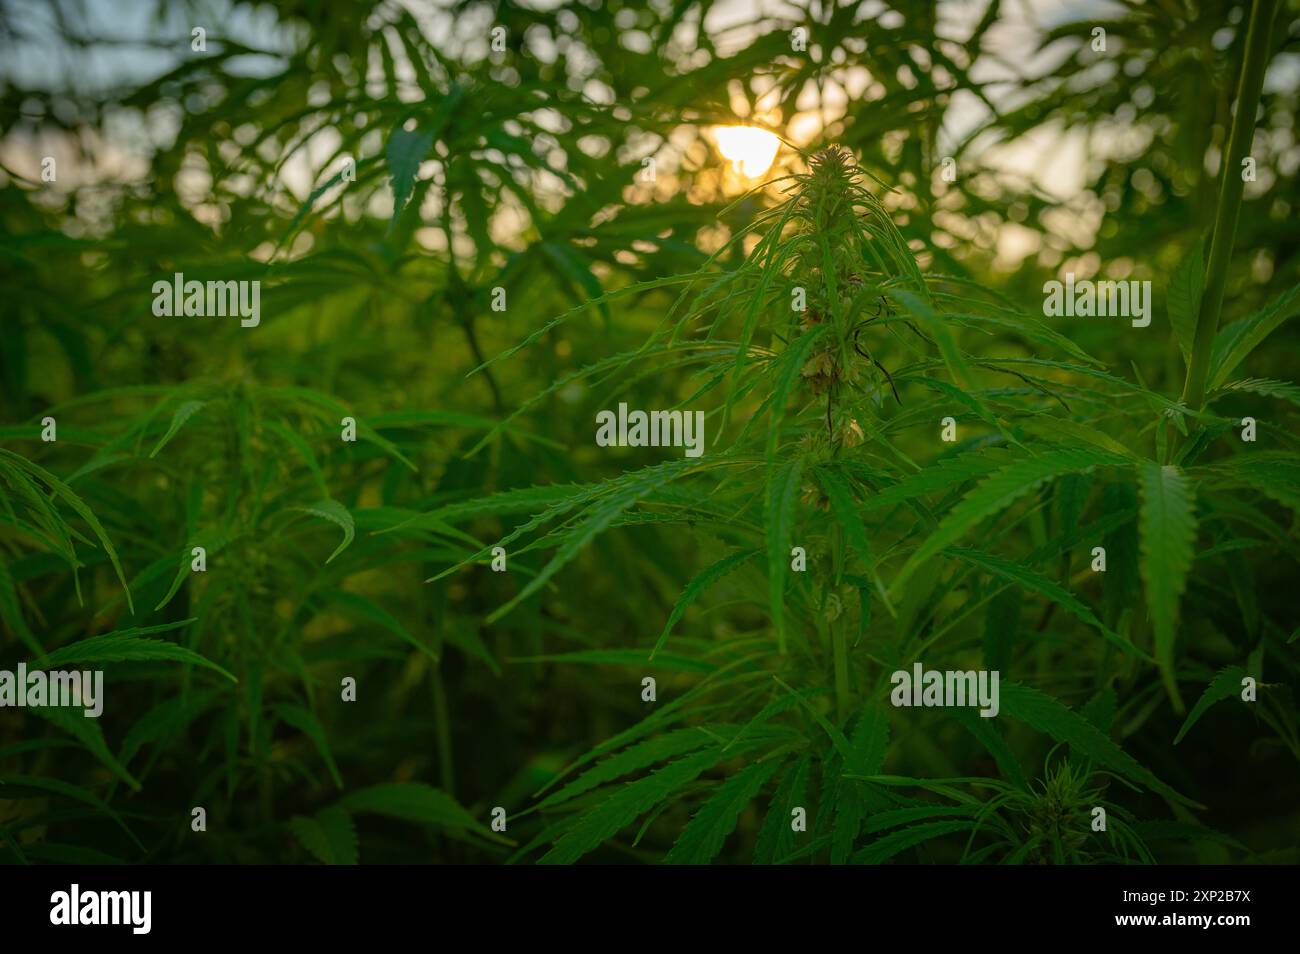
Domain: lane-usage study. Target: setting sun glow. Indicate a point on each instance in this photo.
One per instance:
(750, 149)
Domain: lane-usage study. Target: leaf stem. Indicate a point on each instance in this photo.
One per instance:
(1229, 208)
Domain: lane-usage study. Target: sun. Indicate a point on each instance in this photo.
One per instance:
(750, 149)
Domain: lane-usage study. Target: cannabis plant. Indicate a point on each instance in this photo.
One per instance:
(872, 559)
(379, 575)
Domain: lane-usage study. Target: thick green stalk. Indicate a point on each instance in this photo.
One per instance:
(843, 692)
(1230, 188)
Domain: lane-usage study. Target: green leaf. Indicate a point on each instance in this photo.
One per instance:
(1101, 708)
(62, 854)
(841, 500)
(330, 835)
(468, 641)
(1001, 628)
(1269, 387)
(885, 848)
(867, 748)
(89, 734)
(987, 734)
(1185, 286)
(167, 719)
(629, 802)
(776, 839)
(1032, 580)
(704, 835)
(870, 742)
(294, 440)
(624, 657)
(305, 722)
(369, 610)
(406, 150)
(501, 504)
(1047, 715)
(792, 360)
(1168, 528)
(945, 474)
(1276, 475)
(938, 329)
(788, 367)
(1061, 430)
(577, 269)
(968, 401)
(883, 821)
(77, 504)
(1182, 833)
(638, 288)
(413, 802)
(213, 540)
(632, 759)
(181, 415)
(1225, 685)
(335, 513)
(782, 494)
(127, 645)
(697, 586)
(832, 732)
(998, 491)
(1237, 340)
(11, 784)
(11, 612)
(1121, 544)
(310, 202)
(598, 517)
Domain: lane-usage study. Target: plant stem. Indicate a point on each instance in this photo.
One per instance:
(841, 653)
(457, 294)
(1230, 189)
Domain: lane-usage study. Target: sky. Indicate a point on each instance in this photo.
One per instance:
(130, 42)
(139, 40)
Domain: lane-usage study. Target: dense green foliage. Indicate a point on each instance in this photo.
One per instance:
(483, 177)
